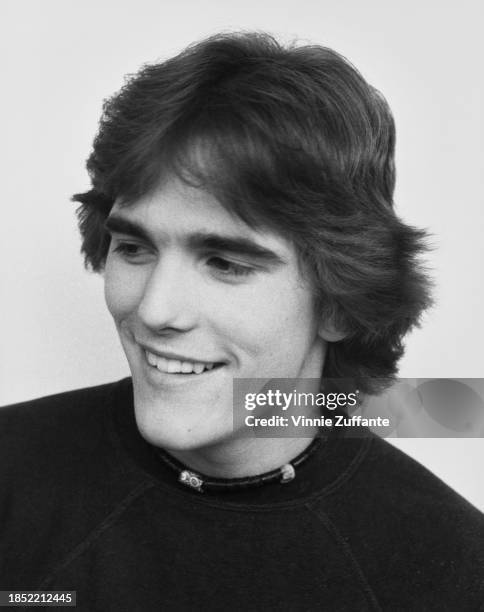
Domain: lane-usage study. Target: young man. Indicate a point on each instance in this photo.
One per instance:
(241, 213)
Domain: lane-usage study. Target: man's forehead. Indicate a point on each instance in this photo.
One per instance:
(175, 210)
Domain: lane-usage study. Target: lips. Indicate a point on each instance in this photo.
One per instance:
(178, 366)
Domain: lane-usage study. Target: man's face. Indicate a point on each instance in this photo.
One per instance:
(199, 299)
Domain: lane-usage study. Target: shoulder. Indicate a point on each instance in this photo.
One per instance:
(405, 483)
(62, 412)
(54, 432)
(55, 405)
(401, 520)
(391, 488)
(62, 474)
(426, 507)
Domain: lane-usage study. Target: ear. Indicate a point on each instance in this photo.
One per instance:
(330, 333)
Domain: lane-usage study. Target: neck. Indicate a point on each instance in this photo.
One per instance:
(244, 457)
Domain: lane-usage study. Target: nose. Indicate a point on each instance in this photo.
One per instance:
(170, 299)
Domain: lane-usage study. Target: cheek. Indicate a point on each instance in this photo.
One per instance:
(270, 320)
(120, 292)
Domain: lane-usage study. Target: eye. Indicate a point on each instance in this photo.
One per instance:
(224, 267)
(132, 252)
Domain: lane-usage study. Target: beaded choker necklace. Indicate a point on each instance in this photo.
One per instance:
(201, 483)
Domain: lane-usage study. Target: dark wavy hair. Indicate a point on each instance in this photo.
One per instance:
(290, 138)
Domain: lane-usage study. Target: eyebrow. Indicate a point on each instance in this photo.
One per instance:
(200, 241)
(115, 224)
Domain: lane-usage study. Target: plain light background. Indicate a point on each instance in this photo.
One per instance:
(60, 58)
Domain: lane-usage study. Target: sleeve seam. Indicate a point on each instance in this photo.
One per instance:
(96, 533)
(348, 553)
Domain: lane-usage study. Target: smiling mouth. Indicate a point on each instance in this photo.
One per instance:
(175, 366)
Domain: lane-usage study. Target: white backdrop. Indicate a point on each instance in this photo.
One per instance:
(60, 58)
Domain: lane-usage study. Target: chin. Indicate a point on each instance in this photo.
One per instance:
(179, 430)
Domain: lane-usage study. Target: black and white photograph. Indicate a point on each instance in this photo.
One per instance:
(241, 358)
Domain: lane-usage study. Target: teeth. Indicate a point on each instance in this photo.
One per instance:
(198, 367)
(172, 365)
(186, 367)
(175, 366)
(152, 360)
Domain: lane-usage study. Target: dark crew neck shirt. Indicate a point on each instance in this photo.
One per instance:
(86, 504)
